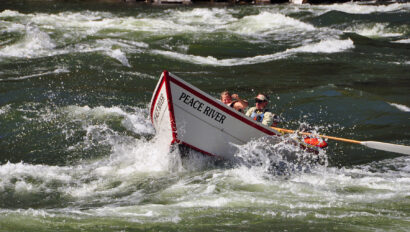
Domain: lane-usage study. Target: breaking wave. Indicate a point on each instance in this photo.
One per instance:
(56, 71)
(40, 37)
(357, 8)
(135, 120)
(402, 41)
(376, 30)
(266, 22)
(326, 46)
(35, 43)
(401, 107)
(279, 156)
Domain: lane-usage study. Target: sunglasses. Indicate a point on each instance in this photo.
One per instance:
(259, 101)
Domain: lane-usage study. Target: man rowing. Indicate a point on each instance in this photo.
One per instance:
(260, 113)
(234, 101)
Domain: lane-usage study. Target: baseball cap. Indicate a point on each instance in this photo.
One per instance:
(261, 97)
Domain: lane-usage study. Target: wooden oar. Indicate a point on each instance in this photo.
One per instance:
(402, 149)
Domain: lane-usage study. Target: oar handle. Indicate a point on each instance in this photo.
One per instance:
(322, 136)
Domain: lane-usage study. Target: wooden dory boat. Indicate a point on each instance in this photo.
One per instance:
(183, 114)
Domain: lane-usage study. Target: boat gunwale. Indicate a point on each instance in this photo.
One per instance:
(209, 99)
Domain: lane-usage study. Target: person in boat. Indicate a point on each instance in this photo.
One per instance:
(260, 113)
(234, 101)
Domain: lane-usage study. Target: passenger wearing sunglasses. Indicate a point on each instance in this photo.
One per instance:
(260, 113)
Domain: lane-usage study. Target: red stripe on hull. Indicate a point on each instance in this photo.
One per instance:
(167, 79)
(194, 148)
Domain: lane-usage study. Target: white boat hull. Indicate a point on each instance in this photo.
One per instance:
(191, 117)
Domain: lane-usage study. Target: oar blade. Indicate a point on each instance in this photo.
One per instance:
(402, 149)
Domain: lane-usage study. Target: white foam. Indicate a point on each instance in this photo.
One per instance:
(160, 26)
(294, 196)
(376, 30)
(109, 44)
(213, 202)
(129, 158)
(325, 46)
(266, 23)
(128, 212)
(357, 8)
(402, 41)
(74, 26)
(298, 2)
(85, 22)
(11, 27)
(35, 43)
(134, 121)
(207, 18)
(252, 175)
(10, 13)
(346, 215)
(81, 24)
(5, 109)
(401, 107)
(120, 56)
(134, 43)
(28, 212)
(45, 174)
(140, 75)
(4, 42)
(56, 71)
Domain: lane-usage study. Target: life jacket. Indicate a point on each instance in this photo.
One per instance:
(258, 116)
(315, 142)
(232, 104)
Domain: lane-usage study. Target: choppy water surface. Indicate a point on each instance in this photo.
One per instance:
(78, 151)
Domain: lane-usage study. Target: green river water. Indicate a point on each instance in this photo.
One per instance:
(78, 151)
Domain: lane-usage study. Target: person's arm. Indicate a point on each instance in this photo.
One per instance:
(267, 119)
(250, 111)
(271, 119)
(240, 104)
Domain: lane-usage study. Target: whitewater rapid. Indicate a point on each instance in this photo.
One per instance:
(78, 150)
(40, 40)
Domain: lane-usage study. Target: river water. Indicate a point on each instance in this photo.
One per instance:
(78, 151)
